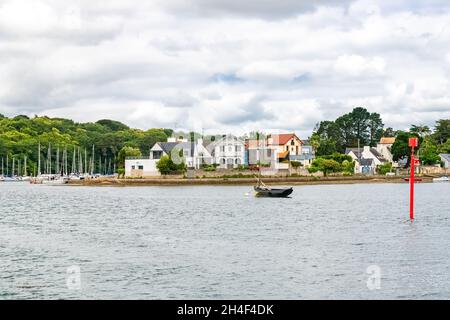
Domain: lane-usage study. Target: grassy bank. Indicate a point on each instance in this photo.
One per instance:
(242, 181)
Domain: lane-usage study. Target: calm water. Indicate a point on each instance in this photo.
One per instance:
(221, 243)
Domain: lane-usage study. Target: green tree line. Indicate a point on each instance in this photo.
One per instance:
(21, 136)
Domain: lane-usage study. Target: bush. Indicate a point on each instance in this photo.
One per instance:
(296, 164)
(165, 165)
(384, 168)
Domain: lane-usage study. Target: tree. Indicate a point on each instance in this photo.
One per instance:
(113, 125)
(389, 132)
(400, 149)
(442, 131)
(375, 127)
(127, 152)
(324, 165)
(444, 148)
(429, 152)
(420, 130)
(165, 165)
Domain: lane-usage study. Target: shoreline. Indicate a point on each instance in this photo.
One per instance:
(109, 182)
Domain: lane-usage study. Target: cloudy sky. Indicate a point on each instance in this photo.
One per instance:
(226, 65)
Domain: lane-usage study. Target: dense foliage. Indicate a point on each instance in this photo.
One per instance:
(332, 164)
(20, 137)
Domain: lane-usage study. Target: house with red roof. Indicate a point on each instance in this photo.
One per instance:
(287, 145)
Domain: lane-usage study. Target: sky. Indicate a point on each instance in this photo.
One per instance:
(225, 65)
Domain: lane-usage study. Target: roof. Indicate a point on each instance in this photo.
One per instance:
(356, 151)
(387, 140)
(445, 156)
(378, 155)
(283, 155)
(282, 139)
(167, 147)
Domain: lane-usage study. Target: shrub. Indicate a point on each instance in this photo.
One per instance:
(296, 164)
(384, 168)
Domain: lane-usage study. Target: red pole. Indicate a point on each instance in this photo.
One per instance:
(411, 186)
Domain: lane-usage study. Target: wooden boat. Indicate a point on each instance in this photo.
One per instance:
(262, 190)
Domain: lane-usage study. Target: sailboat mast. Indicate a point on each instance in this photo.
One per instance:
(25, 173)
(7, 165)
(57, 161)
(39, 158)
(13, 168)
(93, 159)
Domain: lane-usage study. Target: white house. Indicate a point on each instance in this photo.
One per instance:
(194, 154)
(384, 148)
(445, 159)
(366, 159)
(227, 152)
(141, 168)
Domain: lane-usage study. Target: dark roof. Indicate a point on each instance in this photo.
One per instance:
(378, 155)
(445, 156)
(356, 151)
(169, 146)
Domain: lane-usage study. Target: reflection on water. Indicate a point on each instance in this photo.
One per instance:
(219, 242)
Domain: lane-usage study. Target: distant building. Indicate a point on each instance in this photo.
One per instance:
(258, 152)
(384, 147)
(194, 154)
(228, 152)
(141, 168)
(445, 159)
(366, 159)
(288, 146)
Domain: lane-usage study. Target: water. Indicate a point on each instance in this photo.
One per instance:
(218, 242)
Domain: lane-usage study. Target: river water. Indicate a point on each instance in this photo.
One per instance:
(220, 242)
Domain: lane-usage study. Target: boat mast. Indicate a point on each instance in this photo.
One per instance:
(7, 164)
(39, 159)
(13, 169)
(93, 160)
(25, 173)
(73, 160)
(57, 161)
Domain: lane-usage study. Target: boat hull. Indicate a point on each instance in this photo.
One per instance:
(273, 192)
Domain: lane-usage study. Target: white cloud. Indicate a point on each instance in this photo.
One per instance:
(225, 65)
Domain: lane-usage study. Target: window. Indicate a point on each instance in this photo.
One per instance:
(292, 142)
(133, 167)
(222, 148)
(222, 161)
(230, 148)
(141, 167)
(238, 149)
(287, 148)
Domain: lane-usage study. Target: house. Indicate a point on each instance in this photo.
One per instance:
(445, 159)
(141, 168)
(361, 157)
(287, 145)
(258, 152)
(367, 166)
(228, 152)
(384, 147)
(307, 155)
(194, 154)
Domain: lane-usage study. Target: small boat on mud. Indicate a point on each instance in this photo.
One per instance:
(263, 190)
